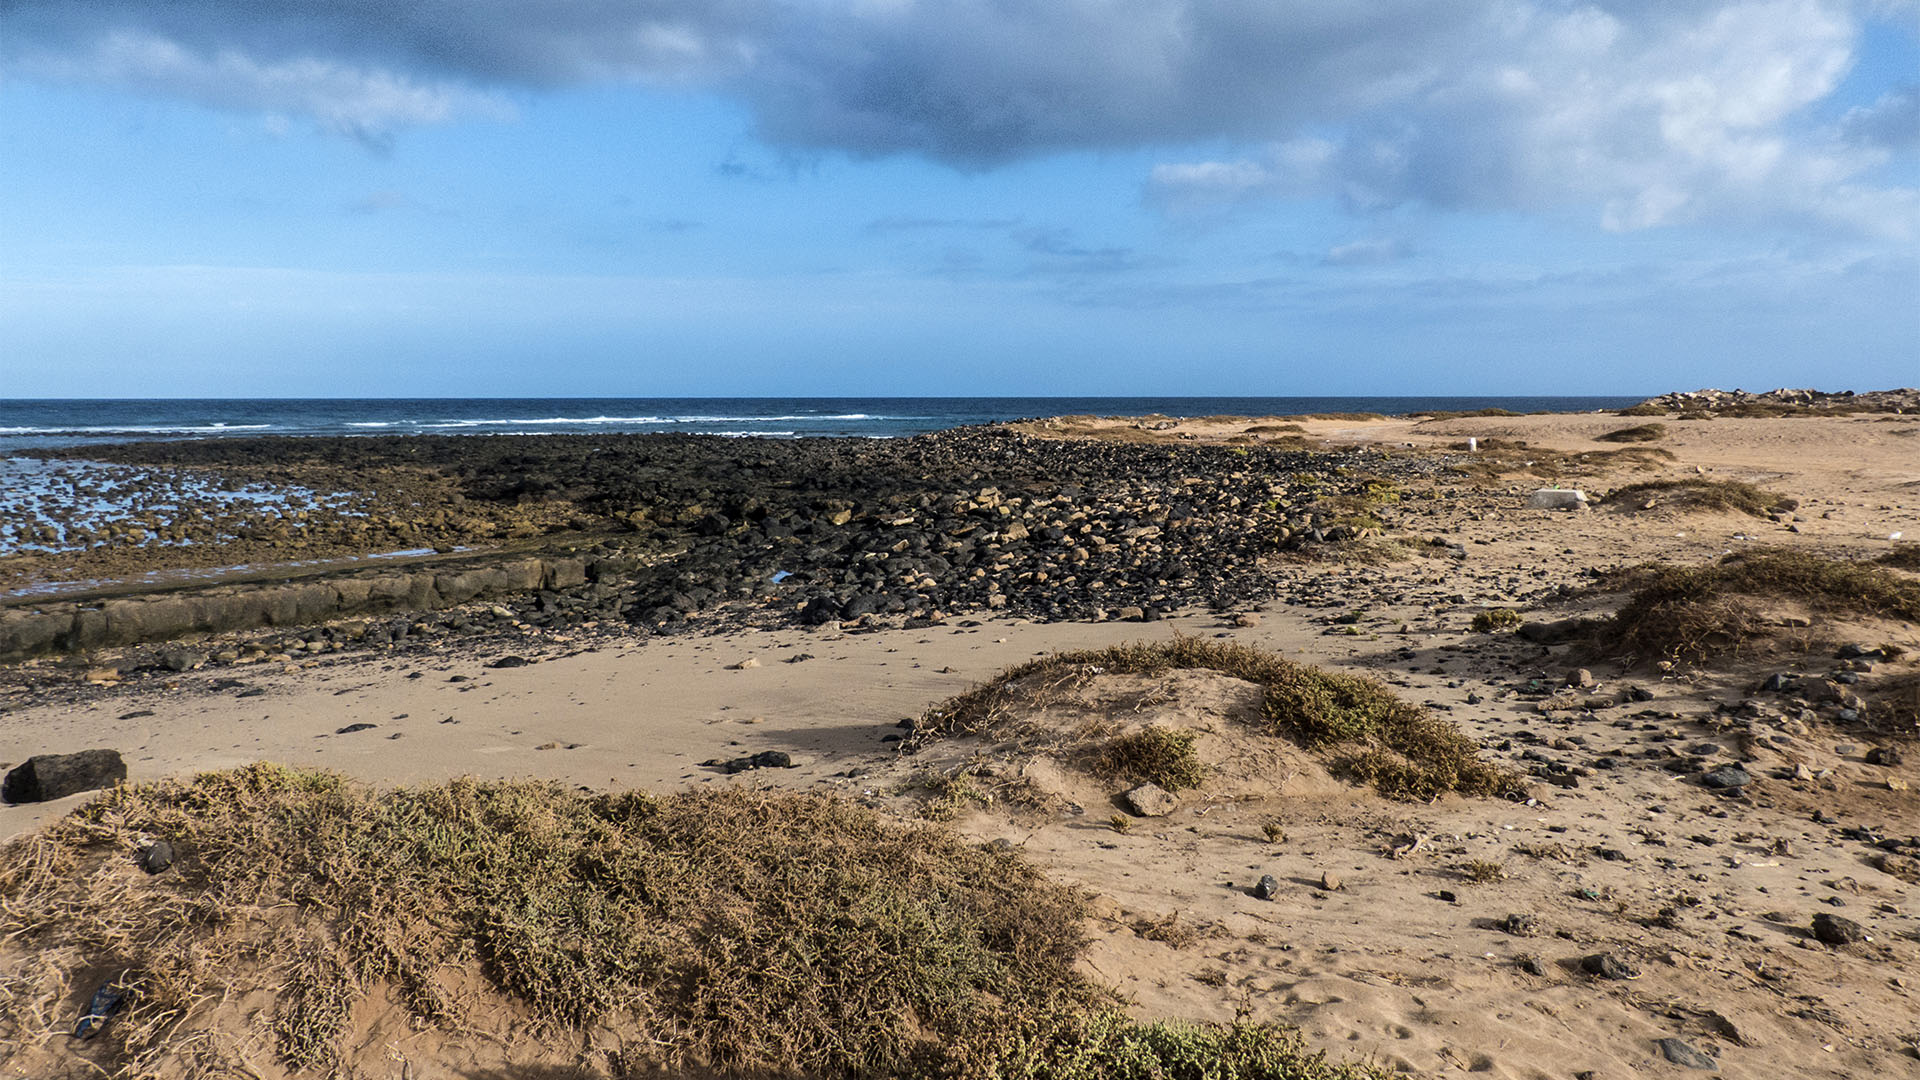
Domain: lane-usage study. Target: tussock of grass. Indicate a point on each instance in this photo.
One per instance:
(1698, 613)
(1501, 457)
(1455, 414)
(1154, 754)
(1705, 495)
(739, 931)
(716, 933)
(1642, 409)
(1368, 734)
(1637, 433)
(1111, 1048)
(1902, 557)
(1496, 619)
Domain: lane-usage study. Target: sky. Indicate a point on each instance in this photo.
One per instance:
(956, 197)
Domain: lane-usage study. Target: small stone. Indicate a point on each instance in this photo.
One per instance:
(1268, 888)
(182, 659)
(1607, 966)
(1727, 778)
(1831, 929)
(1447, 895)
(1532, 965)
(748, 664)
(1681, 1053)
(157, 857)
(1520, 925)
(1894, 783)
(1581, 678)
(1149, 800)
(1330, 881)
(510, 662)
(765, 759)
(1885, 756)
(1246, 619)
(351, 728)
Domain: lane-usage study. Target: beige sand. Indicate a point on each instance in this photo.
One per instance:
(1380, 968)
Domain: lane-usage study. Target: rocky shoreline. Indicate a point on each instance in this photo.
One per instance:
(672, 532)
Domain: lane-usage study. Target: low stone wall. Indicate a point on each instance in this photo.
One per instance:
(74, 626)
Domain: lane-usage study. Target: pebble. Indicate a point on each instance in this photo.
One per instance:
(1268, 888)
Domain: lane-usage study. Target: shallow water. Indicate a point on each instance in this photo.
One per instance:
(54, 506)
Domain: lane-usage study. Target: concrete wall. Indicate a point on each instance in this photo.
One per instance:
(74, 626)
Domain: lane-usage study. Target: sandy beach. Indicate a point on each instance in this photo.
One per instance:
(1428, 938)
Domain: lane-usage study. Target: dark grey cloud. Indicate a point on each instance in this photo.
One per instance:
(1652, 111)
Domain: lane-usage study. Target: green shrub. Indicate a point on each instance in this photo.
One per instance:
(1495, 619)
(1368, 734)
(1154, 754)
(1639, 433)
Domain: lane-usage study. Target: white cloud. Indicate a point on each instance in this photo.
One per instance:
(364, 103)
(1643, 112)
(1680, 115)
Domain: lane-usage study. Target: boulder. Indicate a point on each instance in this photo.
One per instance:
(54, 776)
(1149, 800)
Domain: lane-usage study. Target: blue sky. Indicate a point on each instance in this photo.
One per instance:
(744, 197)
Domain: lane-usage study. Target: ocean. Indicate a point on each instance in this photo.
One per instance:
(26, 425)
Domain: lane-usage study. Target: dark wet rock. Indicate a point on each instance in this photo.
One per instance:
(1268, 887)
(53, 776)
(351, 728)
(1831, 929)
(509, 662)
(1682, 1053)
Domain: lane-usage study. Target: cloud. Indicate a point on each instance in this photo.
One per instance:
(1893, 122)
(1375, 252)
(1689, 114)
(1649, 113)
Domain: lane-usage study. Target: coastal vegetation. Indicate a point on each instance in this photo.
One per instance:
(1702, 494)
(1364, 732)
(732, 931)
(1700, 613)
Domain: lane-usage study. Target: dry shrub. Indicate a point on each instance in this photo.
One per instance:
(1699, 613)
(1368, 734)
(1895, 708)
(1638, 433)
(736, 930)
(1156, 755)
(712, 933)
(1645, 408)
(1705, 495)
(1455, 414)
(1902, 557)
